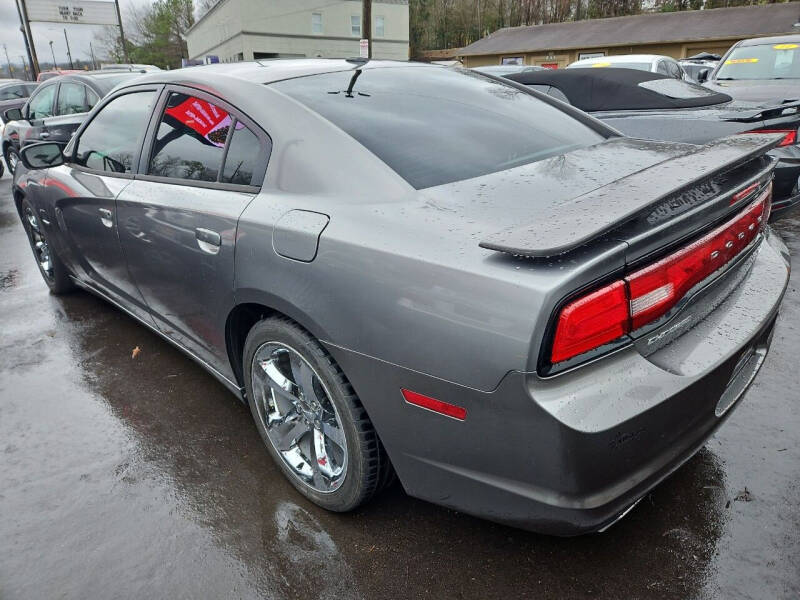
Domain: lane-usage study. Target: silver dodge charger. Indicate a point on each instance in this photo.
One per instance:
(425, 273)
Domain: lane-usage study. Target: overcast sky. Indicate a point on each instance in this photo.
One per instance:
(79, 35)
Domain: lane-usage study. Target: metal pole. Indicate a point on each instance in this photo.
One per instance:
(69, 54)
(10, 68)
(55, 64)
(22, 9)
(366, 24)
(94, 62)
(122, 34)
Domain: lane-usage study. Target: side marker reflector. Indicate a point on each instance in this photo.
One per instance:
(437, 406)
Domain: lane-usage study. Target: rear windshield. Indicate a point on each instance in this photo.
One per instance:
(434, 125)
(768, 61)
(108, 82)
(681, 90)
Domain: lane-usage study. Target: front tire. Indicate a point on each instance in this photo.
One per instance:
(310, 418)
(53, 271)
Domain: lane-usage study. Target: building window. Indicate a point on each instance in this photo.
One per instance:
(582, 55)
(355, 25)
(512, 60)
(379, 27)
(316, 22)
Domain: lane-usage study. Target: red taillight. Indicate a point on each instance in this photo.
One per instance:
(649, 293)
(444, 408)
(591, 321)
(789, 135)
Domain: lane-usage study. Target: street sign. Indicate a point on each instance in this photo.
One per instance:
(363, 47)
(89, 12)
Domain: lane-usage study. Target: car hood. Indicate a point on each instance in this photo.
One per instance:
(758, 90)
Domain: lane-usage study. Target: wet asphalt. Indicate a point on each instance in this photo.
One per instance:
(142, 477)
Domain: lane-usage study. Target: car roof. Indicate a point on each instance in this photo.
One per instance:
(269, 71)
(594, 90)
(775, 39)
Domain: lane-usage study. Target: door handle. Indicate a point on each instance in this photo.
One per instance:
(106, 217)
(208, 241)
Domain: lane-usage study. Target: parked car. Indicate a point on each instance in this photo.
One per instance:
(55, 110)
(13, 94)
(45, 75)
(653, 63)
(529, 318)
(501, 70)
(699, 66)
(653, 106)
(760, 70)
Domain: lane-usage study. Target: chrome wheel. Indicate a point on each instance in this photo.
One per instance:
(39, 243)
(300, 420)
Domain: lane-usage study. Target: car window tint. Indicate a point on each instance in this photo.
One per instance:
(11, 92)
(243, 154)
(41, 103)
(437, 125)
(190, 140)
(72, 99)
(662, 68)
(111, 140)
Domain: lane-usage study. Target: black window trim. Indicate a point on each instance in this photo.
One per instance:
(236, 115)
(69, 151)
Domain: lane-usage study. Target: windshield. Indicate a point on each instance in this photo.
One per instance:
(769, 61)
(434, 125)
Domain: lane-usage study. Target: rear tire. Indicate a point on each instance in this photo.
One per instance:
(282, 362)
(53, 271)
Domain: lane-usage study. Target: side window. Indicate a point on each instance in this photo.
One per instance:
(72, 99)
(41, 103)
(243, 153)
(190, 140)
(674, 70)
(662, 68)
(11, 92)
(31, 87)
(111, 140)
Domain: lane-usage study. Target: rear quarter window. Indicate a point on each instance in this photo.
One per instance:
(434, 125)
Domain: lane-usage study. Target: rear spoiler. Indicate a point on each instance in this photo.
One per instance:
(761, 114)
(565, 226)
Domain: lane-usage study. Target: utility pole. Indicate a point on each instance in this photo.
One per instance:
(10, 68)
(69, 54)
(91, 52)
(26, 32)
(55, 64)
(122, 34)
(366, 24)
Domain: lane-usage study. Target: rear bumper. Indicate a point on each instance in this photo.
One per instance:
(570, 454)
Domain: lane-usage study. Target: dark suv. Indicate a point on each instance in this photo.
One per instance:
(55, 110)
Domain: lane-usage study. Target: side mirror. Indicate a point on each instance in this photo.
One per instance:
(702, 75)
(12, 114)
(42, 156)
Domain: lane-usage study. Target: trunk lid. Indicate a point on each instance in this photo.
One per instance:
(651, 208)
